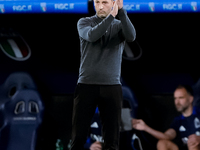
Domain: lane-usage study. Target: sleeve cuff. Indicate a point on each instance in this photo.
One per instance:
(122, 12)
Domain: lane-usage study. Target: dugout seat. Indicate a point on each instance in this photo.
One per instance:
(21, 117)
(21, 112)
(130, 99)
(130, 105)
(15, 82)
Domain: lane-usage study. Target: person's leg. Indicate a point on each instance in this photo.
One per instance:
(84, 107)
(110, 104)
(166, 145)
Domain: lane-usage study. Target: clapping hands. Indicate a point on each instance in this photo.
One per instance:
(118, 4)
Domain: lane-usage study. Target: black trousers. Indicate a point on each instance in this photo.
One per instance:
(108, 98)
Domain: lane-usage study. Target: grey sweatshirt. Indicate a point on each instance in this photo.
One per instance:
(102, 43)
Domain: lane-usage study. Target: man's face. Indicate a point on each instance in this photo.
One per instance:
(103, 7)
(182, 100)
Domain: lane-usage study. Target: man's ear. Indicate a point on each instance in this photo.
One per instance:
(191, 99)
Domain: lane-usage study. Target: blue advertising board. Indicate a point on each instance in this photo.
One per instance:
(148, 6)
(43, 6)
(81, 6)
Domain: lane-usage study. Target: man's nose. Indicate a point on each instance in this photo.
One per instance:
(101, 6)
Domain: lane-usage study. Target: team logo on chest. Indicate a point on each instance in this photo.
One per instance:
(196, 123)
(182, 129)
(94, 125)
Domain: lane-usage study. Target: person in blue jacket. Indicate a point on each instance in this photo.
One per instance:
(129, 104)
(95, 138)
(186, 127)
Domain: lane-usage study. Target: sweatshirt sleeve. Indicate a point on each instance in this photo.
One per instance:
(92, 34)
(128, 30)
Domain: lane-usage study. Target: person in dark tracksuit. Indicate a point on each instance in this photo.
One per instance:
(102, 41)
(184, 131)
(95, 139)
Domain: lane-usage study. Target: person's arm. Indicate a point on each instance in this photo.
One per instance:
(96, 146)
(138, 124)
(92, 34)
(193, 141)
(128, 29)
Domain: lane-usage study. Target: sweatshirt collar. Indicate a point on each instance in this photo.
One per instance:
(193, 113)
(98, 18)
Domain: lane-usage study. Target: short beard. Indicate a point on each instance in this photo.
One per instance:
(183, 109)
(102, 17)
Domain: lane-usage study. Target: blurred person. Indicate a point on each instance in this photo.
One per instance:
(129, 111)
(102, 40)
(186, 127)
(95, 139)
